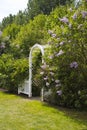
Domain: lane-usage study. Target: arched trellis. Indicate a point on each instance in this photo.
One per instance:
(30, 67)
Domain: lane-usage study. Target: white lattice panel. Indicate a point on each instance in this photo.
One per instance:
(24, 88)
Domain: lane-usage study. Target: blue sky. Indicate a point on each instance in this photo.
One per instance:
(11, 7)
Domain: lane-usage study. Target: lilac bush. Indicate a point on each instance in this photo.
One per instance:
(68, 58)
(74, 64)
(64, 20)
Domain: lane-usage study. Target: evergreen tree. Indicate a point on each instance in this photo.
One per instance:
(35, 7)
(7, 20)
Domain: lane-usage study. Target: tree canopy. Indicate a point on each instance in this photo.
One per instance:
(36, 7)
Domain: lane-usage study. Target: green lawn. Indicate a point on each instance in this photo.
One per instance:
(17, 113)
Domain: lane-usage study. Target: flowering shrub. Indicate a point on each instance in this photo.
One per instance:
(67, 71)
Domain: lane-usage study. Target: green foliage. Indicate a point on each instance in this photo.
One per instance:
(52, 19)
(21, 18)
(16, 66)
(12, 72)
(11, 31)
(30, 34)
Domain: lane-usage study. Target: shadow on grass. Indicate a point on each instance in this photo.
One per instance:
(22, 95)
(77, 115)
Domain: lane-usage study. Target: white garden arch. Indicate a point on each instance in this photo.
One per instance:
(30, 68)
(26, 87)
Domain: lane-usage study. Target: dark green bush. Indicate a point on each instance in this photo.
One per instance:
(12, 72)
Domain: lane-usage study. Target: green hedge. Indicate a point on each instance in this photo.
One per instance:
(12, 72)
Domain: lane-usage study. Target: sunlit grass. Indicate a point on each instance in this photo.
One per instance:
(17, 113)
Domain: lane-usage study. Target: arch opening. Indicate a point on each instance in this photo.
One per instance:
(30, 68)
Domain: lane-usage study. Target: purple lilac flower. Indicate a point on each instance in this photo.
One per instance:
(41, 73)
(70, 9)
(58, 38)
(84, 14)
(64, 20)
(57, 81)
(60, 53)
(57, 45)
(69, 41)
(49, 42)
(44, 66)
(74, 64)
(52, 73)
(74, 16)
(58, 85)
(61, 43)
(51, 57)
(47, 84)
(59, 92)
(53, 35)
(50, 31)
(46, 78)
(2, 46)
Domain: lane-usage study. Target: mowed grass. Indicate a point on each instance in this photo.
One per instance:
(18, 113)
